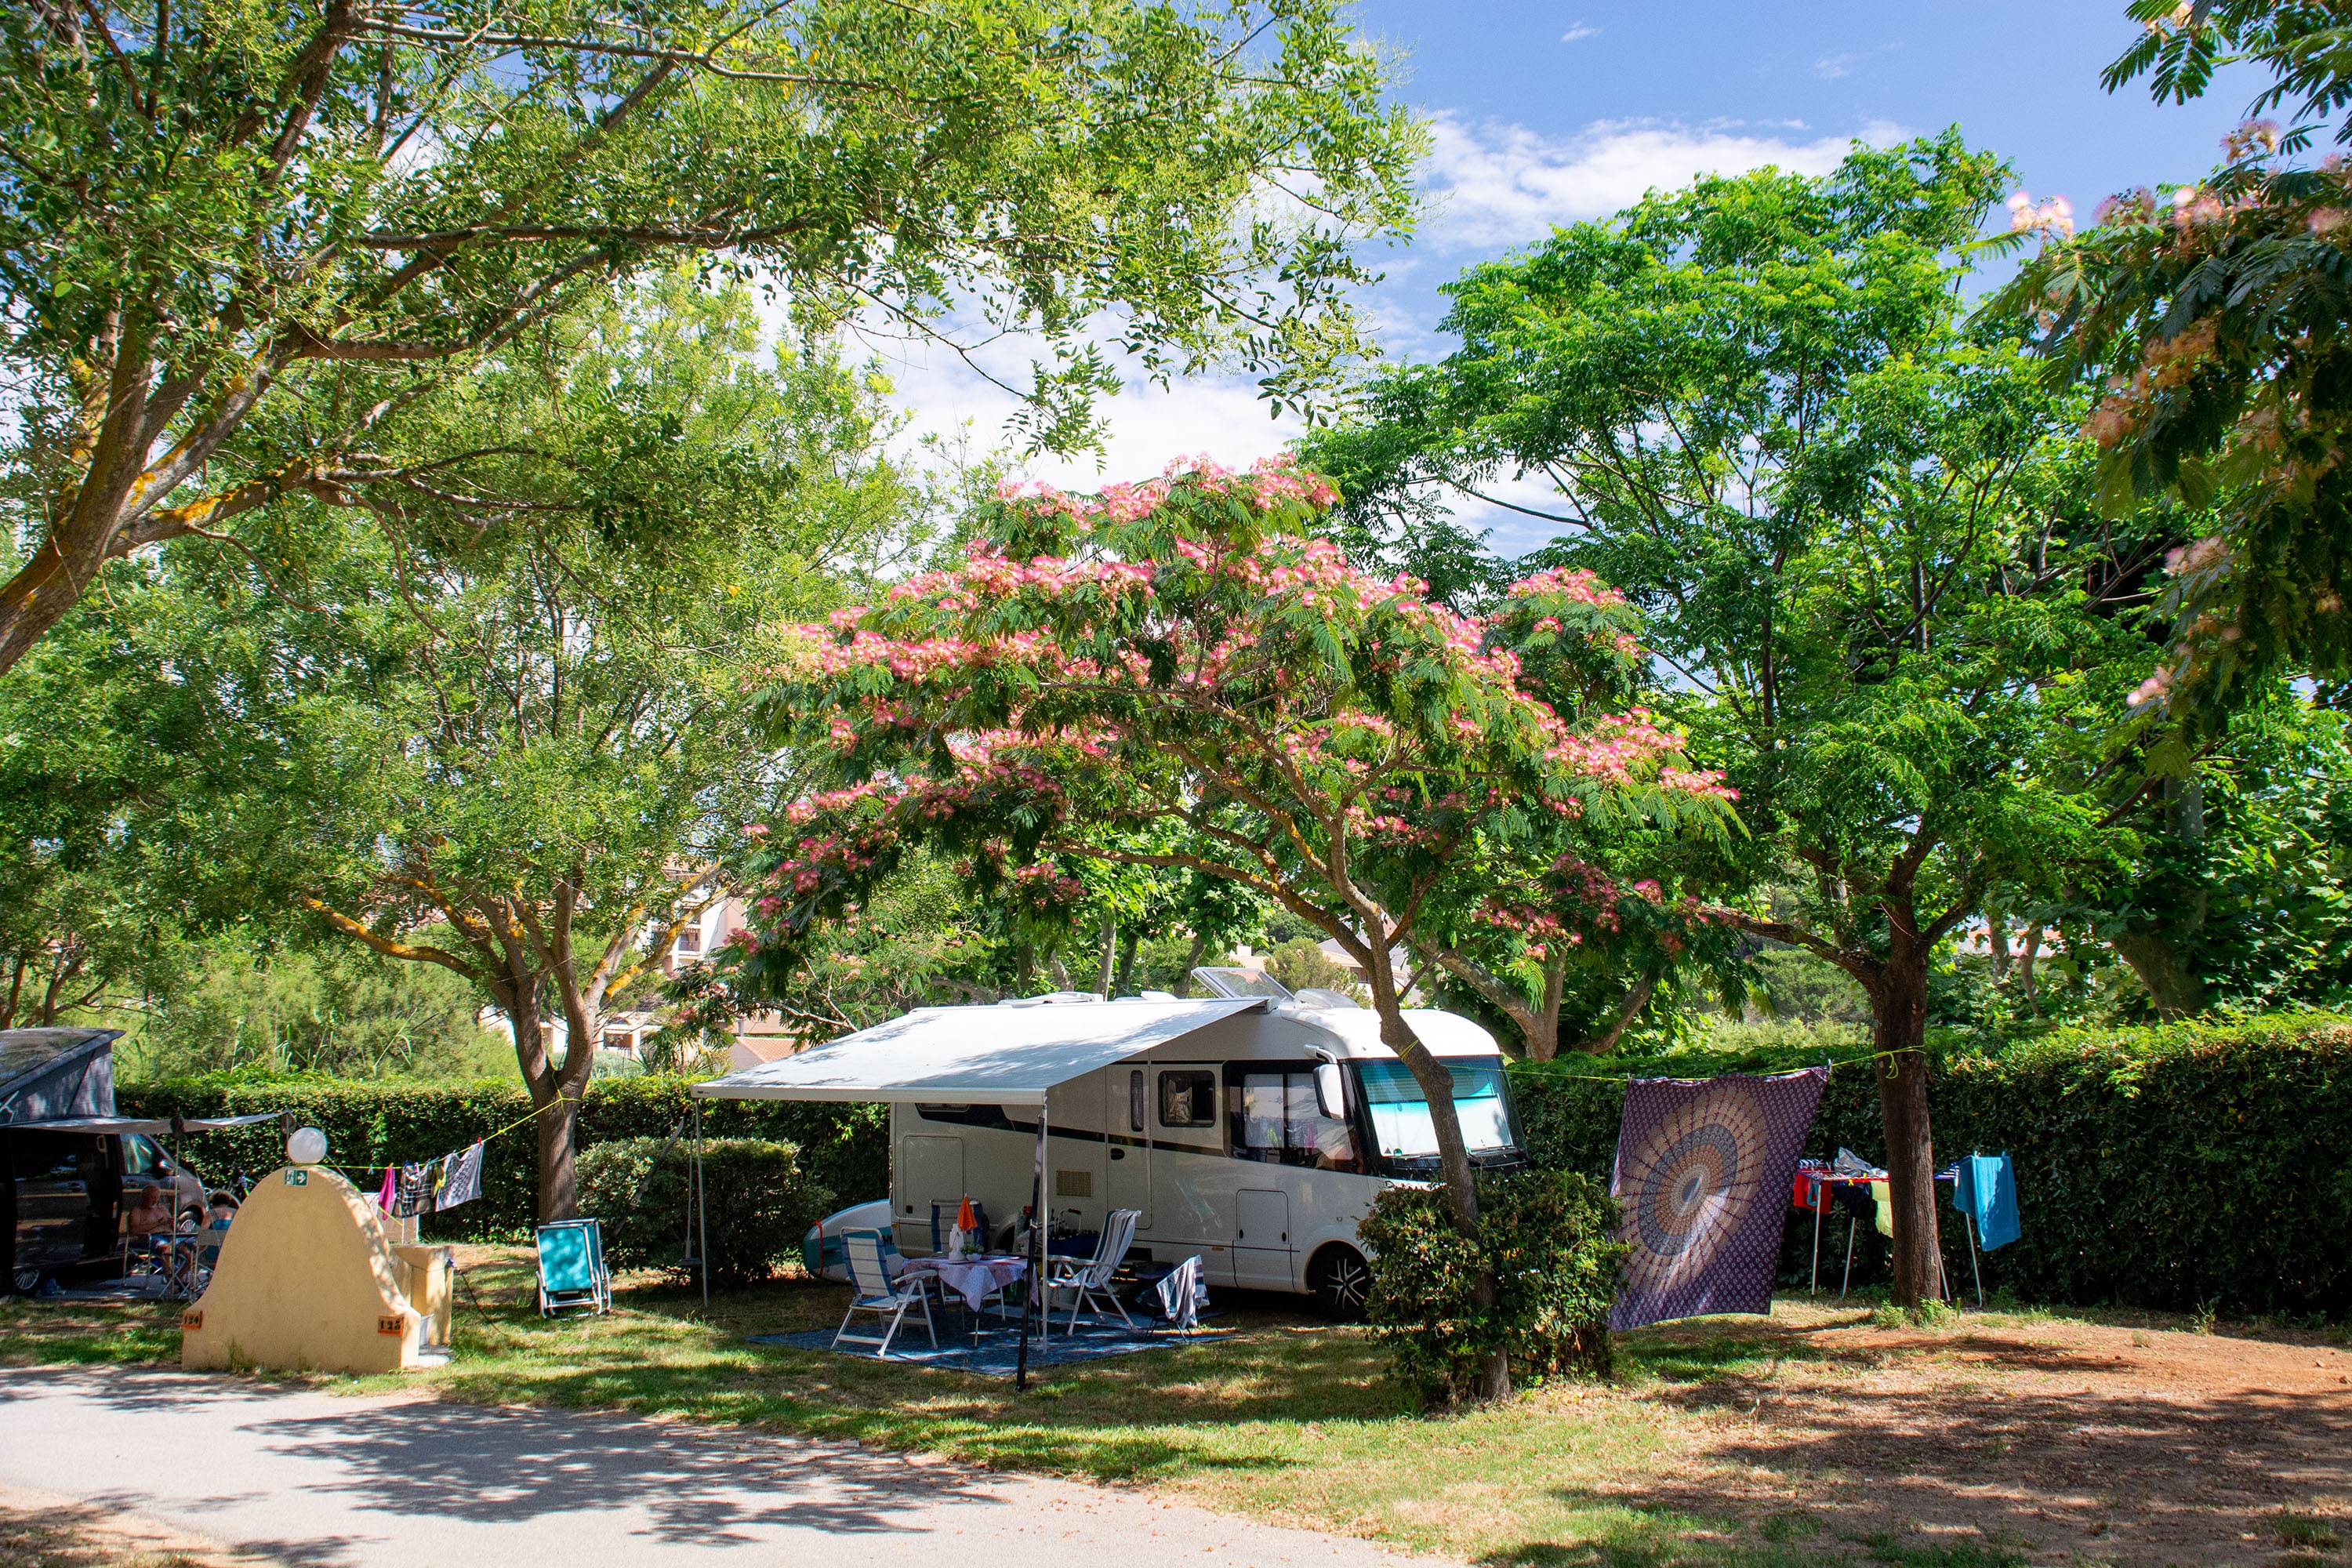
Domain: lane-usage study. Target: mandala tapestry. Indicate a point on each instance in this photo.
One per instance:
(1704, 1167)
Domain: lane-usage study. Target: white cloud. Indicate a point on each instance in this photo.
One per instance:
(1579, 33)
(1218, 415)
(1830, 68)
(1500, 183)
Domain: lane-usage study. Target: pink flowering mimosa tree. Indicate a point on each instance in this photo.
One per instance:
(1180, 674)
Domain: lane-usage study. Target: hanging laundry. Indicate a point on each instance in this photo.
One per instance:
(414, 1190)
(389, 1193)
(1182, 1295)
(1811, 1190)
(1698, 1162)
(460, 1179)
(1987, 1193)
(1882, 1194)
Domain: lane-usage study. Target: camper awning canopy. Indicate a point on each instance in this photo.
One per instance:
(152, 1125)
(967, 1056)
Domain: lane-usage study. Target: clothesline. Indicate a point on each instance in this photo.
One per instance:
(485, 1138)
(1629, 1077)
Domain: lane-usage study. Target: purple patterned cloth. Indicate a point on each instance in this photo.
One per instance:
(1704, 1171)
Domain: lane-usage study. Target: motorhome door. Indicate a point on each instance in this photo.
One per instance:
(1128, 1116)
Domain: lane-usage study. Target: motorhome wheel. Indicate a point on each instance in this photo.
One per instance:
(1343, 1282)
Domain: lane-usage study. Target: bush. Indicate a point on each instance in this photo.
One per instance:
(845, 1148)
(1546, 1235)
(2164, 1167)
(759, 1205)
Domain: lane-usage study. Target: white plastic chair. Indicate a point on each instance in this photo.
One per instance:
(877, 1293)
(1090, 1278)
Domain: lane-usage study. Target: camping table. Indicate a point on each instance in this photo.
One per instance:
(975, 1279)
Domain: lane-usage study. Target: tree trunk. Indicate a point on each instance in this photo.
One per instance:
(1128, 943)
(1183, 986)
(1898, 997)
(2171, 980)
(1436, 1081)
(559, 1188)
(1637, 996)
(1107, 970)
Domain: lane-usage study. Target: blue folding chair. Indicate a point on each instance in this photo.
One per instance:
(571, 1272)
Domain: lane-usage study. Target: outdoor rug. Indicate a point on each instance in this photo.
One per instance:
(1704, 1167)
(998, 1351)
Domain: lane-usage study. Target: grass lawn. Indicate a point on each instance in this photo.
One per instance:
(1721, 1442)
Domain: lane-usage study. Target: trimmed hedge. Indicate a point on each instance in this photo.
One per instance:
(758, 1205)
(1545, 1235)
(2166, 1167)
(843, 1148)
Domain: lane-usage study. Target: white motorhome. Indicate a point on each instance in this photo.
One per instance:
(1257, 1140)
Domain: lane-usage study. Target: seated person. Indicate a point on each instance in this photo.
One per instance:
(150, 1215)
(221, 1212)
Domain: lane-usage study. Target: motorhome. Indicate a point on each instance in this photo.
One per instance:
(1257, 1140)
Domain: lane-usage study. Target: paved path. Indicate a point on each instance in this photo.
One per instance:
(314, 1478)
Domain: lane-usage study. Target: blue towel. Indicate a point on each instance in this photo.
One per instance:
(1987, 1193)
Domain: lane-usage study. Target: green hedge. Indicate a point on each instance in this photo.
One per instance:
(757, 1205)
(2164, 1167)
(843, 1148)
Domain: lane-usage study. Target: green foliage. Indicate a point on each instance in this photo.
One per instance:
(2215, 325)
(844, 1149)
(329, 1010)
(231, 267)
(1545, 1239)
(759, 1205)
(2239, 893)
(2162, 1167)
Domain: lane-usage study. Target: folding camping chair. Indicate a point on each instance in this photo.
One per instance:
(572, 1271)
(1090, 1278)
(877, 1293)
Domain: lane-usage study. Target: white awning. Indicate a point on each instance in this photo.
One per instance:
(968, 1056)
(152, 1125)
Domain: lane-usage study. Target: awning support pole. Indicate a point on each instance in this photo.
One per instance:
(701, 1209)
(1036, 1254)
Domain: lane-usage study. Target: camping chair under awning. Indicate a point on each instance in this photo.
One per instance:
(1009, 1055)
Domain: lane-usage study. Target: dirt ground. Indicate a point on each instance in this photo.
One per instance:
(2054, 1440)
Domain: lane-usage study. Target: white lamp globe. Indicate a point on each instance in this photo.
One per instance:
(307, 1146)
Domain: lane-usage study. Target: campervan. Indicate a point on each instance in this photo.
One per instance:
(1256, 1142)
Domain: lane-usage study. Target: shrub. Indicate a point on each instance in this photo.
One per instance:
(757, 1203)
(2205, 1163)
(1546, 1235)
(369, 1124)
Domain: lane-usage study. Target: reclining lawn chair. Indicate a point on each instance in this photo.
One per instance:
(571, 1272)
(1090, 1276)
(878, 1294)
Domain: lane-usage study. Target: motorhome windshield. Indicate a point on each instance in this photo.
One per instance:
(1399, 1112)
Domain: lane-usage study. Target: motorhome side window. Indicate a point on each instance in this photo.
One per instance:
(1187, 1098)
(1277, 1120)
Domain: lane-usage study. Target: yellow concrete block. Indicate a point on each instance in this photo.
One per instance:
(432, 1280)
(308, 1279)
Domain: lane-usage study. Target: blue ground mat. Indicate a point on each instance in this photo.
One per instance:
(998, 1348)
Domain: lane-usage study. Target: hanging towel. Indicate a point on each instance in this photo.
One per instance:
(389, 1193)
(461, 1179)
(1987, 1194)
(1181, 1294)
(1884, 1192)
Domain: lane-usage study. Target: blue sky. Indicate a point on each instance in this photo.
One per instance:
(1544, 113)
